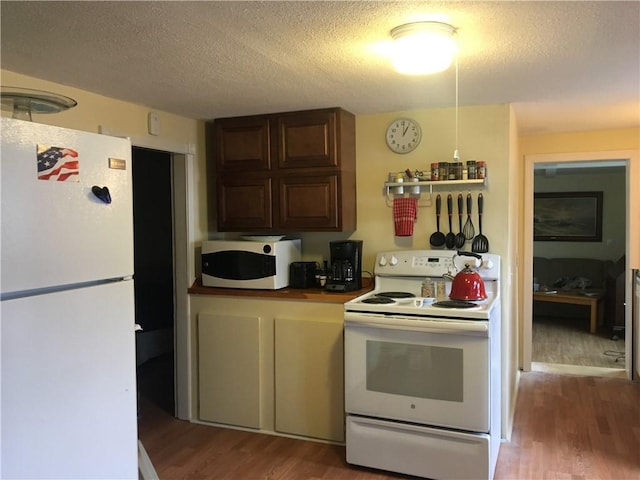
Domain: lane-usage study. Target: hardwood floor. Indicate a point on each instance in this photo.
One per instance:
(566, 426)
(573, 427)
(183, 450)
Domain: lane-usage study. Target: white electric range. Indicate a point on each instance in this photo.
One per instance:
(422, 379)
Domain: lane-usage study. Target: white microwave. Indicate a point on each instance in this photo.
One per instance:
(248, 263)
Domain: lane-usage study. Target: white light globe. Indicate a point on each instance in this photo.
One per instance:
(422, 48)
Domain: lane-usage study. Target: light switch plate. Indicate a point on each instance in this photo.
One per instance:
(154, 123)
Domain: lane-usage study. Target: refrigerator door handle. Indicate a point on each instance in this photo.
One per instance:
(60, 288)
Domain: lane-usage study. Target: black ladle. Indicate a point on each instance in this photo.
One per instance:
(460, 238)
(450, 239)
(437, 237)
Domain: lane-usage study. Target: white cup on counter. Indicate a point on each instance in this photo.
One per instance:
(423, 301)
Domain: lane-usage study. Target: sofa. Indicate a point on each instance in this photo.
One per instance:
(568, 274)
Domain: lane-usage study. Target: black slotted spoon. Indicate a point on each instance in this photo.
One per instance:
(480, 242)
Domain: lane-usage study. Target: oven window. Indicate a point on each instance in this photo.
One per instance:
(415, 370)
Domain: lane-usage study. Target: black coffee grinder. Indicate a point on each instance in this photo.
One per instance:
(345, 271)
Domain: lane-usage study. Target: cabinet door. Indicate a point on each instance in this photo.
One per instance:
(229, 369)
(307, 139)
(309, 202)
(244, 203)
(242, 144)
(309, 378)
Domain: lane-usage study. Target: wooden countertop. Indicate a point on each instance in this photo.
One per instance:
(312, 294)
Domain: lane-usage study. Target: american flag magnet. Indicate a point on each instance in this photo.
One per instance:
(58, 164)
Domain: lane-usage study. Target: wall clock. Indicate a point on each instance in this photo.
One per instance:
(403, 135)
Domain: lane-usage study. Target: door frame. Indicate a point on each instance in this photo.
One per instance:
(632, 168)
(182, 189)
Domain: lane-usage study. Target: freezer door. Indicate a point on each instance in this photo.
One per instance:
(69, 385)
(59, 232)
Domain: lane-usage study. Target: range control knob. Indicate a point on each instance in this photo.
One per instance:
(383, 261)
(394, 260)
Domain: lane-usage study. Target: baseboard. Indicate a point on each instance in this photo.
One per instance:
(508, 429)
(146, 471)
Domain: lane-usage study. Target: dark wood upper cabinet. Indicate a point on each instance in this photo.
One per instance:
(285, 172)
(242, 144)
(308, 140)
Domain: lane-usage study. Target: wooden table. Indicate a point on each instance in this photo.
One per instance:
(593, 300)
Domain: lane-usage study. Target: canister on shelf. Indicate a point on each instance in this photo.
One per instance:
(444, 170)
(471, 169)
(416, 189)
(435, 172)
(457, 171)
(399, 179)
(481, 170)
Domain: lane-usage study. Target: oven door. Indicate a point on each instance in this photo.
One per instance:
(429, 372)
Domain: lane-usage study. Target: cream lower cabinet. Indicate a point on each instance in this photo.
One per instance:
(229, 366)
(309, 391)
(271, 365)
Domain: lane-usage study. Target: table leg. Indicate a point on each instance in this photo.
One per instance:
(594, 316)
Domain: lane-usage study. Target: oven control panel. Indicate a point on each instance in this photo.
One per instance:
(432, 263)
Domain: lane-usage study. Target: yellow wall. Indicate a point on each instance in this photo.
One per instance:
(96, 113)
(483, 135)
(594, 141)
(624, 139)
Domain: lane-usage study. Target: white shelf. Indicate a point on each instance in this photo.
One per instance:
(478, 181)
(409, 188)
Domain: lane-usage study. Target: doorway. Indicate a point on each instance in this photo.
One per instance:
(604, 160)
(560, 331)
(182, 181)
(153, 276)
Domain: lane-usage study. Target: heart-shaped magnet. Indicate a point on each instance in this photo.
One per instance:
(102, 193)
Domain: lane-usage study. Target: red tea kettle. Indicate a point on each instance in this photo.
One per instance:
(467, 284)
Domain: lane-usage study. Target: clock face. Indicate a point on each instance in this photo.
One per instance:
(403, 135)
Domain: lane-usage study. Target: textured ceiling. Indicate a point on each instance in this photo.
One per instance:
(564, 65)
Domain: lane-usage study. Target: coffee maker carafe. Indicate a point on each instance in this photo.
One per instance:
(345, 271)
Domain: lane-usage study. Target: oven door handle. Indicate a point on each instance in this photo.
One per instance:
(477, 328)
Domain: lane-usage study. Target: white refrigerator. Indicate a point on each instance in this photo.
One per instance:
(68, 386)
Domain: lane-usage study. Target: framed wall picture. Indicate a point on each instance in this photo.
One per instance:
(567, 216)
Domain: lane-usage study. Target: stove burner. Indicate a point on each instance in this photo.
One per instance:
(395, 294)
(454, 304)
(378, 300)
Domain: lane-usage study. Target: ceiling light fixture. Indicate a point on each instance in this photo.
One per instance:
(421, 48)
(25, 101)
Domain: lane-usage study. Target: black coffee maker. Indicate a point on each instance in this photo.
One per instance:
(345, 270)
